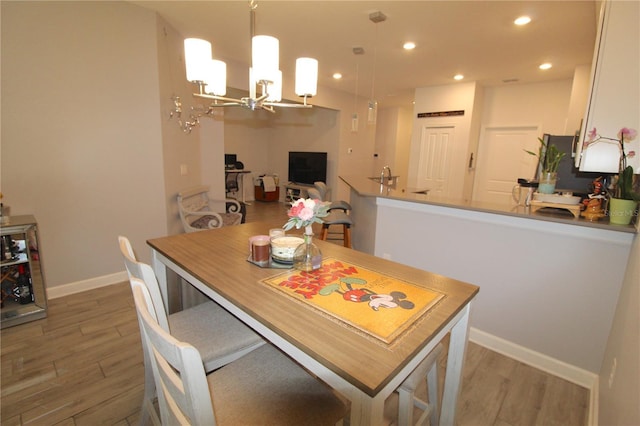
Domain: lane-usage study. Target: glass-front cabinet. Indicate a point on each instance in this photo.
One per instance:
(23, 291)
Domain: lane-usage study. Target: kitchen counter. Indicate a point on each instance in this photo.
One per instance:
(366, 187)
(549, 283)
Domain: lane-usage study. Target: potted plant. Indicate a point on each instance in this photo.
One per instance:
(623, 200)
(549, 159)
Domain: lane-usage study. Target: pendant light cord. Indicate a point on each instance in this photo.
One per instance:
(375, 58)
(253, 5)
(355, 99)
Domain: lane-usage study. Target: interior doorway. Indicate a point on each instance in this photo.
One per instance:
(435, 163)
(502, 160)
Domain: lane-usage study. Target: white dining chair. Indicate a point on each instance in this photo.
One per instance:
(264, 387)
(219, 336)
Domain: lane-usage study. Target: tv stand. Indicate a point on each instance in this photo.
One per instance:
(293, 191)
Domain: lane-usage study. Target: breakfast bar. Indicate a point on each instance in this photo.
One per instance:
(550, 282)
(363, 363)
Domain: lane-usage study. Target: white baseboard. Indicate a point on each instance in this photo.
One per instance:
(558, 368)
(80, 286)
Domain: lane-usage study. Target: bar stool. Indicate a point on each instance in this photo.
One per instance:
(337, 217)
(407, 400)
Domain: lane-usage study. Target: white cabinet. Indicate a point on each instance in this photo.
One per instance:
(615, 87)
(293, 191)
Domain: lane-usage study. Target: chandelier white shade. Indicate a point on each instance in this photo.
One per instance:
(265, 57)
(197, 55)
(216, 79)
(306, 77)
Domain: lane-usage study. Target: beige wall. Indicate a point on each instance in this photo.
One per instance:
(81, 131)
(450, 97)
(177, 147)
(545, 105)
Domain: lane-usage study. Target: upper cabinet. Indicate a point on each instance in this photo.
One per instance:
(614, 99)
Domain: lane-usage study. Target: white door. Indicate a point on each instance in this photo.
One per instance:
(437, 149)
(502, 160)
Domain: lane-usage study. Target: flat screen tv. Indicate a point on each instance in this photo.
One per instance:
(307, 167)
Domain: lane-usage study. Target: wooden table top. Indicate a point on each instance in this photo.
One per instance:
(218, 258)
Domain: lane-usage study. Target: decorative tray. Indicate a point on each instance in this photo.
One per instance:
(556, 198)
(573, 208)
(272, 264)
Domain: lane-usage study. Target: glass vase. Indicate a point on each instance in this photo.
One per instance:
(547, 182)
(307, 256)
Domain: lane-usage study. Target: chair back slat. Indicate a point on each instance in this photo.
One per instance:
(194, 199)
(314, 194)
(199, 212)
(194, 204)
(183, 392)
(196, 190)
(323, 189)
(145, 273)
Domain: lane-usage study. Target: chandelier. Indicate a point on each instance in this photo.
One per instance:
(265, 77)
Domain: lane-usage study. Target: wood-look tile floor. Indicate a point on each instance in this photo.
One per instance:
(82, 365)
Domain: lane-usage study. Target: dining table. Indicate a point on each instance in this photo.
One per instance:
(360, 323)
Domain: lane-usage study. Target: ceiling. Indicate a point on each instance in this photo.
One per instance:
(475, 38)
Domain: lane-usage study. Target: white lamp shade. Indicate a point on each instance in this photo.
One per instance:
(306, 77)
(275, 89)
(265, 57)
(217, 78)
(197, 55)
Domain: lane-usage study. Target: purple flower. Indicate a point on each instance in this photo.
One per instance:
(625, 134)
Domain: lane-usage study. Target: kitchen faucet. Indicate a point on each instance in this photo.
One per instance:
(388, 169)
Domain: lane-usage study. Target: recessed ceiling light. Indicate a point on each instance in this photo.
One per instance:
(545, 66)
(337, 76)
(409, 45)
(458, 77)
(523, 20)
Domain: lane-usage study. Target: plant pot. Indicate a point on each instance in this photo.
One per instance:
(621, 211)
(547, 182)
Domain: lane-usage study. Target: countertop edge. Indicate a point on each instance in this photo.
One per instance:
(366, 188)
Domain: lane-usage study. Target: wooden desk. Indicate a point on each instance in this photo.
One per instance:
(363, 370)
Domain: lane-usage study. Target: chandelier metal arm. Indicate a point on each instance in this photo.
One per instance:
(227, 101)
(283, 105)
(247, 102)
